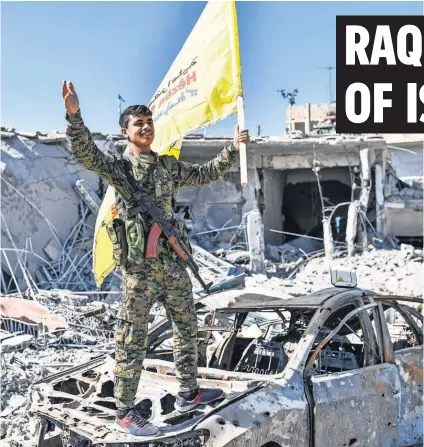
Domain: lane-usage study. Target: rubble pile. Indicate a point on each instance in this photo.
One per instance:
(19, 371)
(89, 333)
(28, 355)
(404, 192)
(90, 322)
(299, 247)
(58, 315)
(392, 272)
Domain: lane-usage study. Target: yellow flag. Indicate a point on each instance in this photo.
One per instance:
(200, 88)
(103, 263)
(203, 83)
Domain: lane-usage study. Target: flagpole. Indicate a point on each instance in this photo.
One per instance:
(242, 148)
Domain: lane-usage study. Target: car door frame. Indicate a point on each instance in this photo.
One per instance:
(299, 359)
(409, 364)
(374, 407)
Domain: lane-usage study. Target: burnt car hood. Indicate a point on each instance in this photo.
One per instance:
(81, 400)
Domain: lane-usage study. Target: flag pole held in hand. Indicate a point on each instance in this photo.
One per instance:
(242, 148)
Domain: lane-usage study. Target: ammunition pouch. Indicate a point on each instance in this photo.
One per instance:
(116, 232)
(129, 240)
(136, 239)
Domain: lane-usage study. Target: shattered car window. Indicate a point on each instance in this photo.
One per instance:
(405, 325)
(343, 350)
(259, 342)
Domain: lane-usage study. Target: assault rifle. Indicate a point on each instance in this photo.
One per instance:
(152, 215)
(138, 203)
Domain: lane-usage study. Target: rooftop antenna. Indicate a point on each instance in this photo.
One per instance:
(290, 96)
(120, 98)
(329, 69)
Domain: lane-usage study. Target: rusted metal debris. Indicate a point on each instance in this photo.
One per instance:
(308, 362)
(16, 313)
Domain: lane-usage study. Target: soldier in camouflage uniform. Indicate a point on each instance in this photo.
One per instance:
(146, 281)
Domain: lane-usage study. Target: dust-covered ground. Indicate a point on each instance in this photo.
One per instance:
(394, 272)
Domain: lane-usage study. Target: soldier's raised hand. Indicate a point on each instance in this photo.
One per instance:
(240, 137)
(70, 98)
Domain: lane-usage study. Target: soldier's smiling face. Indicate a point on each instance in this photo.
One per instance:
(140, 130)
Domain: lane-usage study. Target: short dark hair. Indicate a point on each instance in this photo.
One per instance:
(133, 111)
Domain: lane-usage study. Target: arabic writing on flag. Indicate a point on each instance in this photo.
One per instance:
(200, 88)
(204, 81)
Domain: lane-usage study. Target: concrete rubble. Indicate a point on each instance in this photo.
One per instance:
(19, 371)
(90, 323)
(392, 272)
(52, 314)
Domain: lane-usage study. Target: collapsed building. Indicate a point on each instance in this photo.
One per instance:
(306, 195)
(352, 183)
(402, 208)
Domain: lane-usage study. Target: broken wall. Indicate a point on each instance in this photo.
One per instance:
(38, 201)
(283, 169)
(407, 164)
(403, 207)
(220, 203)
(292, 201)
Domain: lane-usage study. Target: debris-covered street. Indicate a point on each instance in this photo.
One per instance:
(90, 324)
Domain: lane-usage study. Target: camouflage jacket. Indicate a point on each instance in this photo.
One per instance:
(160, 177)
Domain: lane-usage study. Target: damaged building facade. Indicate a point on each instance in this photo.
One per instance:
(294, 183)
(57, 328)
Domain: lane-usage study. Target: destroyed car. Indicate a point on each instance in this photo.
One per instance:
(325, 369)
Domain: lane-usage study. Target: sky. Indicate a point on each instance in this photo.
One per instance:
(107, 48)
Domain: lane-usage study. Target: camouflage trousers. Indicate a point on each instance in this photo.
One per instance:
(167, 282)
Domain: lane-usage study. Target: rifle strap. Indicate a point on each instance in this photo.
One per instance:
(133, 183)
(129, 173)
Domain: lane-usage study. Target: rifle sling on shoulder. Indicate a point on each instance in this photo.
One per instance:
(139, 204)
